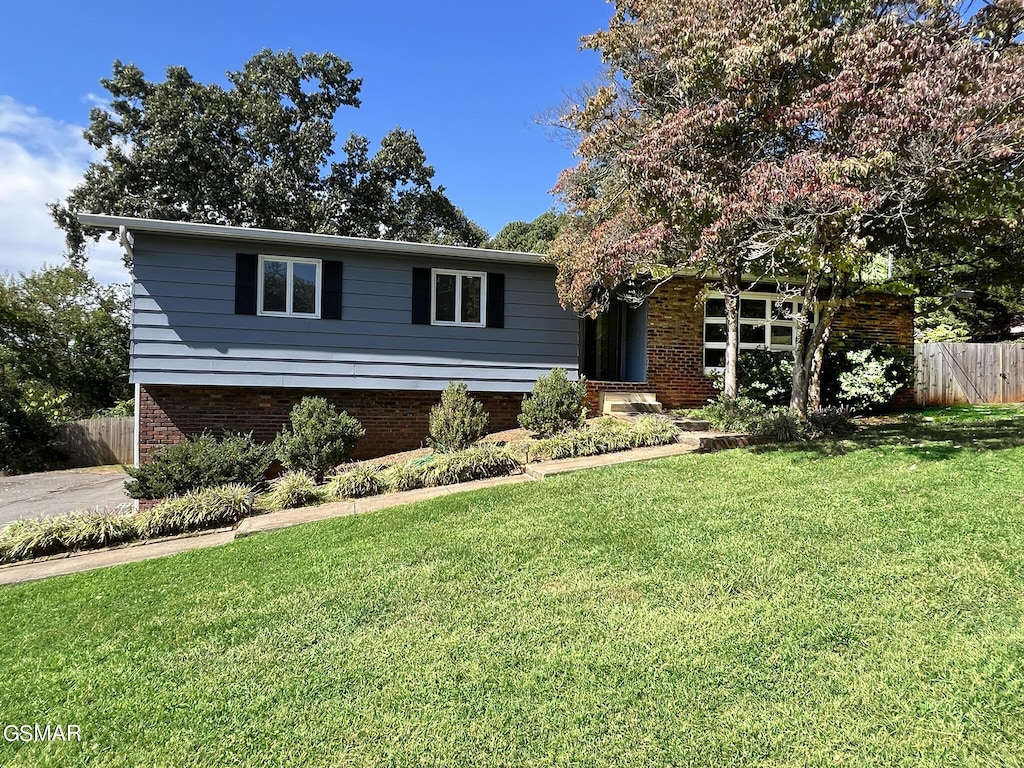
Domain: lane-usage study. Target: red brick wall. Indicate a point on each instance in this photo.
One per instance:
(877, 317)
(675, 345)
(675, 340)
(393, 420)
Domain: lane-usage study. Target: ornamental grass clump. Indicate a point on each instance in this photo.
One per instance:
(651, 430)
(476, 463)
(406, 476)
(607, 435)
(196, 511)
(87, 529)
(358, 482)
(831, 421)
(555, 404)
(318, 438)
(457, 421)
(291, 490)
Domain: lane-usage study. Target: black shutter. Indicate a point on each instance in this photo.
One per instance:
(330, 290)
(420, 296)
(495, 300)
(245, 283)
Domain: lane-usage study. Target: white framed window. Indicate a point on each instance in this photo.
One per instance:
(458, 298)
(289, 286)
(766, 321)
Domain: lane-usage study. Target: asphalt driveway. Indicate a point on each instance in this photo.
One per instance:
(50, 493)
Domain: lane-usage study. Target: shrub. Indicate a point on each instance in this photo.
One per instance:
(457, 421)
(357, 482)
(27, 438)
(833, 420)
(765, 376)
(318, 439)
(25, 539)
(733, 414)
(780, 424)
(402, 477)
(555, 405)
(870, 380)
(474, 463)
(293, 489)
(121, 408)
(196, 511)
(201, 461)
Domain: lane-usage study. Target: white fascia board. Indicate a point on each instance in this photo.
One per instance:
(305, 239)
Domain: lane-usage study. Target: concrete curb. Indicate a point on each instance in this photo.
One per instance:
(78, 562)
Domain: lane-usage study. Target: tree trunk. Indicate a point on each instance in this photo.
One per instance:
(809, 348)
(818, 357)
(730, 385)
(803, 350)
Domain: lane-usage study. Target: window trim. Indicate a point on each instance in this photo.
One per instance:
(772, 300)
(459, 274)
(289, 286)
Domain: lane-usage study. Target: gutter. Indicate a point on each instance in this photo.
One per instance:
(125, 226)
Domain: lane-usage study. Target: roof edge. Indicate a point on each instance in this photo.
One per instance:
(308, 239)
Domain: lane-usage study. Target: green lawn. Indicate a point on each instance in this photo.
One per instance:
(856, 603)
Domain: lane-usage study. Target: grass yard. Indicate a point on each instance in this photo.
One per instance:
(857, 603)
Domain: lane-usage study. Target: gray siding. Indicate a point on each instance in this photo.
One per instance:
(184, 330)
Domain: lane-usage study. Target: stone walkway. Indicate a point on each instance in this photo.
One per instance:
(131, 553)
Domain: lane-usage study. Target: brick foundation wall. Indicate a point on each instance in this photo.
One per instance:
(393, 420)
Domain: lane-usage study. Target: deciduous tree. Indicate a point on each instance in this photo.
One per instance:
(808, 139)
(257, 153)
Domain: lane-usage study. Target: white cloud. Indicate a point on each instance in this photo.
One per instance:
(41, 159)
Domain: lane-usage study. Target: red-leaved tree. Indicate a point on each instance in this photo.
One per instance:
(806, 141)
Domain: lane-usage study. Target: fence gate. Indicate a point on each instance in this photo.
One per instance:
(950, 373)
(95, 442)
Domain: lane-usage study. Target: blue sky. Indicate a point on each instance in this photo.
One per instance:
(468, 77)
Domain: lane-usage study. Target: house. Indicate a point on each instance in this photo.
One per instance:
(232, 326)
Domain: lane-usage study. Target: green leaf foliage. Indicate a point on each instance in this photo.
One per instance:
(259, 152)
(318, 439)
(200, 461)
(555, 404)
(457, 421)
(528, 236)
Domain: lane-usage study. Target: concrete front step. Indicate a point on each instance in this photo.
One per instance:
(629, 402)
(613, 408)
(692, 425)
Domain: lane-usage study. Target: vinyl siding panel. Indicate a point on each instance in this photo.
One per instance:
(184, 330)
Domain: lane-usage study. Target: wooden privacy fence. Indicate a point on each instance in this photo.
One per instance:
(93, 442)
(950, 373)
